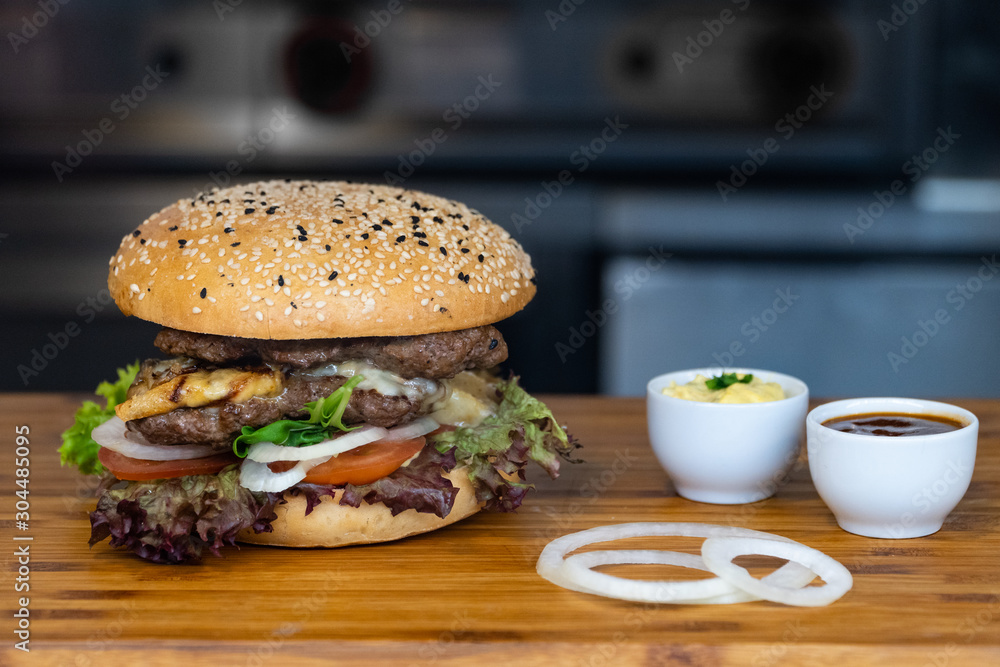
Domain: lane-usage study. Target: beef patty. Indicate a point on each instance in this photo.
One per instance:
(436, 355)
(218, 425)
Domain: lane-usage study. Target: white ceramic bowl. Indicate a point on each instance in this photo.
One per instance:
(891, 487)
(726, 453)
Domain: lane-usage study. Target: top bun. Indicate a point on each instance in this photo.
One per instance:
(304, 259)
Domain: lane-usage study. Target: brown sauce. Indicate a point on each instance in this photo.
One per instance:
(893, 424)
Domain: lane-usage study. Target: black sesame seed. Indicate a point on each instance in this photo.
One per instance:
(365, 236)
(438, 220)
(400, 239)
(465, 250)
(420, 235)
(414, 219)
(204, 292)
(248, 211)
(229, 230)
(181, 242)
(337, 222)
(248, 201)
(443, 251)
(173, 229)
(493, 343)
(219, 214)
(142, 241)
(461, 276)
(303, 237)
(292, 304)
(225, 201)
(377, 228)
(271, 210)
(423, 243)
(136, 232)
(416, 205)
(442, 310)
(300, 228)
(327, 246)
(281, 281)
(233, 245)
(333, 275)
(481, 258)
(465, 227)
(387, 223)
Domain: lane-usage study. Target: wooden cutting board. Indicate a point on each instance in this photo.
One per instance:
(469, 594)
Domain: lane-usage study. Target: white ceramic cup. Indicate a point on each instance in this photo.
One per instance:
(726, 453)
(891, 487)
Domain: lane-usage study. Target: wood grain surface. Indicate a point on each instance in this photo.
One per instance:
(469, 594)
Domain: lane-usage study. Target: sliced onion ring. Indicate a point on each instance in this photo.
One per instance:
(257, 476)
(574, 573)
(714, 591)
(414, 429)
(268, 452)
(112, 435)
(718, 555)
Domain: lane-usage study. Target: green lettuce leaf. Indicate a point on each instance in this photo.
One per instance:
(325, 415)
(498, 450)
(78, 447)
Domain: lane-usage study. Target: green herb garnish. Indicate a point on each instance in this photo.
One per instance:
(325, 415)
(727, 379)
(78, 447)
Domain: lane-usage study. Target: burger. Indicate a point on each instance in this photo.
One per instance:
(328, 373)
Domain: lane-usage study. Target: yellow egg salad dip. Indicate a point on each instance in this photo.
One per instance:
(726, 388)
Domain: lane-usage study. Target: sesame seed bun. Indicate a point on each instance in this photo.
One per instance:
(331, 524)
(304, 259)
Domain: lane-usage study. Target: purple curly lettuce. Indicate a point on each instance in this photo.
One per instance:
(419, 486)
(176, 520)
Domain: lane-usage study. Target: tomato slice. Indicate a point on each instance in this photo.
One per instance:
(125, 467)
(361, 465)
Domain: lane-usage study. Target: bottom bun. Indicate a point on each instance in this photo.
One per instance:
(331, 524)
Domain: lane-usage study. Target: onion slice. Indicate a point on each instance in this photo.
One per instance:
(714, 591)
(257, 476)
(718, 555)
(574, 572)
(414, 429)
(268, 452)
(112, 435)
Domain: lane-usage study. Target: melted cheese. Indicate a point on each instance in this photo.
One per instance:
(192, 390)
(384, 382)
(470, 400)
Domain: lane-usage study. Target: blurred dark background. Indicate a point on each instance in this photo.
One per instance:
(809, 187)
